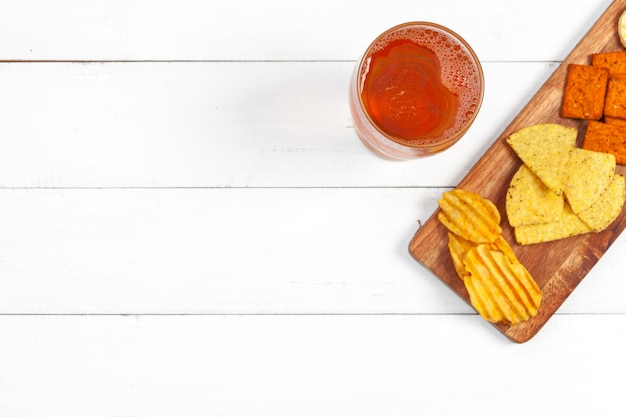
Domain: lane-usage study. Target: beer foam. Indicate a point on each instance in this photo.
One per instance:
(460, 70)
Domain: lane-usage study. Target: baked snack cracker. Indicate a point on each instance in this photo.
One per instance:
(615, 62)
(614, 120)
(603, 137)
(615, 100)
(585, 91)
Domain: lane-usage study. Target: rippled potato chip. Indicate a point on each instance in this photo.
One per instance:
(458, 249)
(503, 246)
(470, 216)
(500, 290)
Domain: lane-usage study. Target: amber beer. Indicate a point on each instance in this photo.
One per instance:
(416, 91)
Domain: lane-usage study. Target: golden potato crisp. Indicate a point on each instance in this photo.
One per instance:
(503, 246)
(501, 291)
(589, 174)
(458, 249)
(470, 216)
(606, 209)
(569, 225)
(500, 288)
(529, 201)
(545, 149)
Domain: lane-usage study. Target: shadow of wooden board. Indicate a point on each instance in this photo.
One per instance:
(559, 266)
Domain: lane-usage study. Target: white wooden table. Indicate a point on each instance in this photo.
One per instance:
(190, 227)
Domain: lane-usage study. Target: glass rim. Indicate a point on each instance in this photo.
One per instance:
(438, 144)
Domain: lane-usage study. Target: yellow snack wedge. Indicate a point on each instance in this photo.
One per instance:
(529, 201)
(606, 209)
(589, 173)
(545, 149)
(592, 193)
(569, 225)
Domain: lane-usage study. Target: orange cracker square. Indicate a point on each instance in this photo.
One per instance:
(614, 120)
(602, 137)
(614, 61)
(615, 101)
(585, 91)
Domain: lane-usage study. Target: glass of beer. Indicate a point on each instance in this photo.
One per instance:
(416, 91)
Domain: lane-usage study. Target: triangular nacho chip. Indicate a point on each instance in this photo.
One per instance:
(606, 209)
(589, 173)
(529, 201)
(545, 148)
(569, 225)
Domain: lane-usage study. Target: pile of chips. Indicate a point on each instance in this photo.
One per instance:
(499, 286)
(560, 190)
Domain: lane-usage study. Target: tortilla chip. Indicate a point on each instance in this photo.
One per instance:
(529, 201)
(589, 174)
(606, 209)
(569, 225)
(545, 149)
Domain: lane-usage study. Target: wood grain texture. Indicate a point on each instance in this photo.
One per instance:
(558, 267)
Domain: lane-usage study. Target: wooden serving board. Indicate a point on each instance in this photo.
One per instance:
(559, 266)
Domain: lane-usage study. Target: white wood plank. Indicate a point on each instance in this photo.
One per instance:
(281, 30)
(189, 227)
(234, 251)
(307, 366)
(218, 125)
